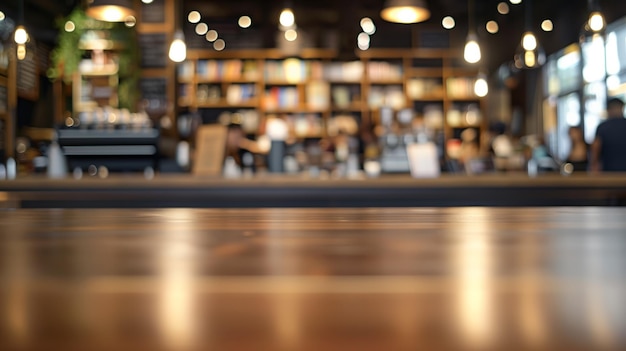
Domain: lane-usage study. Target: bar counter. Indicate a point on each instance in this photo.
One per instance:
(166, 190)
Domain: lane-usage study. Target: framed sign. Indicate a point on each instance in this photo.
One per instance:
(153, 48)
(4, 96)
(154, 93)
(210, 150)
(28, 77)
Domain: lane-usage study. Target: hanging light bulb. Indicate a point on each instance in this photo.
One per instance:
(481, 87)
(287, 19)
(20, 36)
(596, 21)
(472, 49)
(471, 53)
(529, 53)
(529, 41)
(178, 48)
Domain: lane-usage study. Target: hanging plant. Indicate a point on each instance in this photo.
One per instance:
(75, 30)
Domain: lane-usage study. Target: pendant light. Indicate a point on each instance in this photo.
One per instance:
(481, 86)
(110, 10)
(405, 11)
(529, 53)
(595, 24)
(178, 47)
(20, 36)
(471, 53)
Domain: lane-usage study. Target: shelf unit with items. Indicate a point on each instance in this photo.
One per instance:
(8, 103)
(311, 90)
(218, 83)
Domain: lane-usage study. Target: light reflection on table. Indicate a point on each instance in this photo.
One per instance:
(313, 279)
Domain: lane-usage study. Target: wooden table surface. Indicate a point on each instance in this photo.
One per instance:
(313, 279)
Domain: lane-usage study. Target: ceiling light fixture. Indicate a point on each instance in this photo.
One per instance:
(448, 22)
(110, 10)
(481, 86)
(287, 18)
(244, 21)
(547, 26)
(471, 53)
(529, 53)
(20, 36)
(405, 11)
(178, 47)
(492, 27)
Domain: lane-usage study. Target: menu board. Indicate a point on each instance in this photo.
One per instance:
(153, 47)
(154, 93)
(153, 12)
(4, 99)
(27, 77)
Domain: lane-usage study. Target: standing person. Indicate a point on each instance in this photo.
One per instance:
(608, 152)
(578, 153)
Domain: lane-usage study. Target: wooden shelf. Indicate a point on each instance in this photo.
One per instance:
(295, 109)
(355, 106)
(222, 103)
(386, 81)
(427, 97)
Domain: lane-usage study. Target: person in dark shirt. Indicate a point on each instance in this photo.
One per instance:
(608, 152)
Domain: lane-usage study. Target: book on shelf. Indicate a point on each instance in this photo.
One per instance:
(185, 71)
(317, 95)
(418, 88)
(240, 93)
(388, 96)
(234, 69)
(343, 71)
(293, 70)
(461, 88)
(384, 71)
(281, 98)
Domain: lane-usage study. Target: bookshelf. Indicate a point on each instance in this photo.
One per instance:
(316, 87)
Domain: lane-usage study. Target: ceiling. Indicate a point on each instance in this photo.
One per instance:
(343, 16)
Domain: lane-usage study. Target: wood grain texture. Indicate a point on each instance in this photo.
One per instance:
(313, 279)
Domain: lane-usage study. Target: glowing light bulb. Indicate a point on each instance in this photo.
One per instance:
(291, 35)
(20, 36)
(529, 41)
(287, 19)
(472, 49)
(596, 21)
(481, 87)
(448, 22)
(244, 21)
(178, 49)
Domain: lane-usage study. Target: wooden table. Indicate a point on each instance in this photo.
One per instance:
(313, 279)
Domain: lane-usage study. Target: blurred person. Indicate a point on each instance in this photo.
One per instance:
(578, 155)
(608, 151)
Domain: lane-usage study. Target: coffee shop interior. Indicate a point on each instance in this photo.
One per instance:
(310, 175)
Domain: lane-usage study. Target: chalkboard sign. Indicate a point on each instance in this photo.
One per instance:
(153, 12)
(154, 93)
(27, 76)
(4, 99)
(153, 48)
